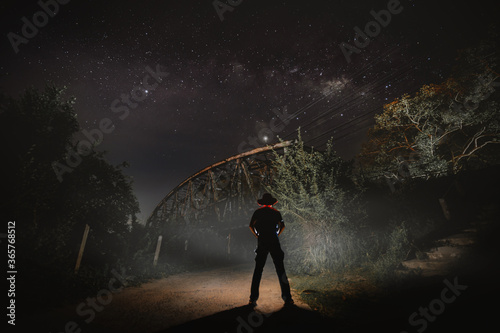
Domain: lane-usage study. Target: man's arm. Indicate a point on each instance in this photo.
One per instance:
(252, 228)
(281, 227)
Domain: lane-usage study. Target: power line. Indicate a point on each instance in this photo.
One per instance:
(352, 103)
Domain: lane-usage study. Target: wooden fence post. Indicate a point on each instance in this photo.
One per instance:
(82, 247)
(157, 253)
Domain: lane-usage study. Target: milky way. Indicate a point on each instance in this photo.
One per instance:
(228, 80)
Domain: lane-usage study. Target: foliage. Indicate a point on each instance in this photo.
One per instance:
(327, 226)
(396, 250)
(314, 193)
(50, 216)
(443, 128)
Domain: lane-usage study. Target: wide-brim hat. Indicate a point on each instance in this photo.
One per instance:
(267, 199)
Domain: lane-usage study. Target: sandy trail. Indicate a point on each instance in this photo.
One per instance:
(181, 298)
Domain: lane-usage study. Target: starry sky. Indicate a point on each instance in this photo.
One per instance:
(228, 79)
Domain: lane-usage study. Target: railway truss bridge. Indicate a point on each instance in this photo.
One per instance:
(211, 209)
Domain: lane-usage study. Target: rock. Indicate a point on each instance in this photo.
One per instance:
(445, 253)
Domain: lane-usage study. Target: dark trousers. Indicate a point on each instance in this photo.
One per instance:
(263, 249)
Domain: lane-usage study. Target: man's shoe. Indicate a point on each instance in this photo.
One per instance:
(289, 302)
(252, 303)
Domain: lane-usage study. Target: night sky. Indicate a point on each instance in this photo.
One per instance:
(225, 78)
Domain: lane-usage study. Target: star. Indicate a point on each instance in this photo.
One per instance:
(224, 76)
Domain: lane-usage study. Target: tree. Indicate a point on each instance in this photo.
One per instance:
(38, 128)
(314, 193)
(442, 129)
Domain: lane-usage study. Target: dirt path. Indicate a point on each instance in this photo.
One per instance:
(181, 298)
(215, 300)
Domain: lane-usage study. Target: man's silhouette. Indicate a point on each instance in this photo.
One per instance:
(267, 224)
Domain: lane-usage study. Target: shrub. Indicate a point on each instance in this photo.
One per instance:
(322, 213)
(396, 246)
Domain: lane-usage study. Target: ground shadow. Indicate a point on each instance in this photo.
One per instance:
(245, 319)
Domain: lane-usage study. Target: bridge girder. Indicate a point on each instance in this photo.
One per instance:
(220, 191)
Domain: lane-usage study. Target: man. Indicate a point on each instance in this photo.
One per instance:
(267, 224)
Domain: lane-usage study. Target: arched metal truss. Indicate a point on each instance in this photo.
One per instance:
(219, 192)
